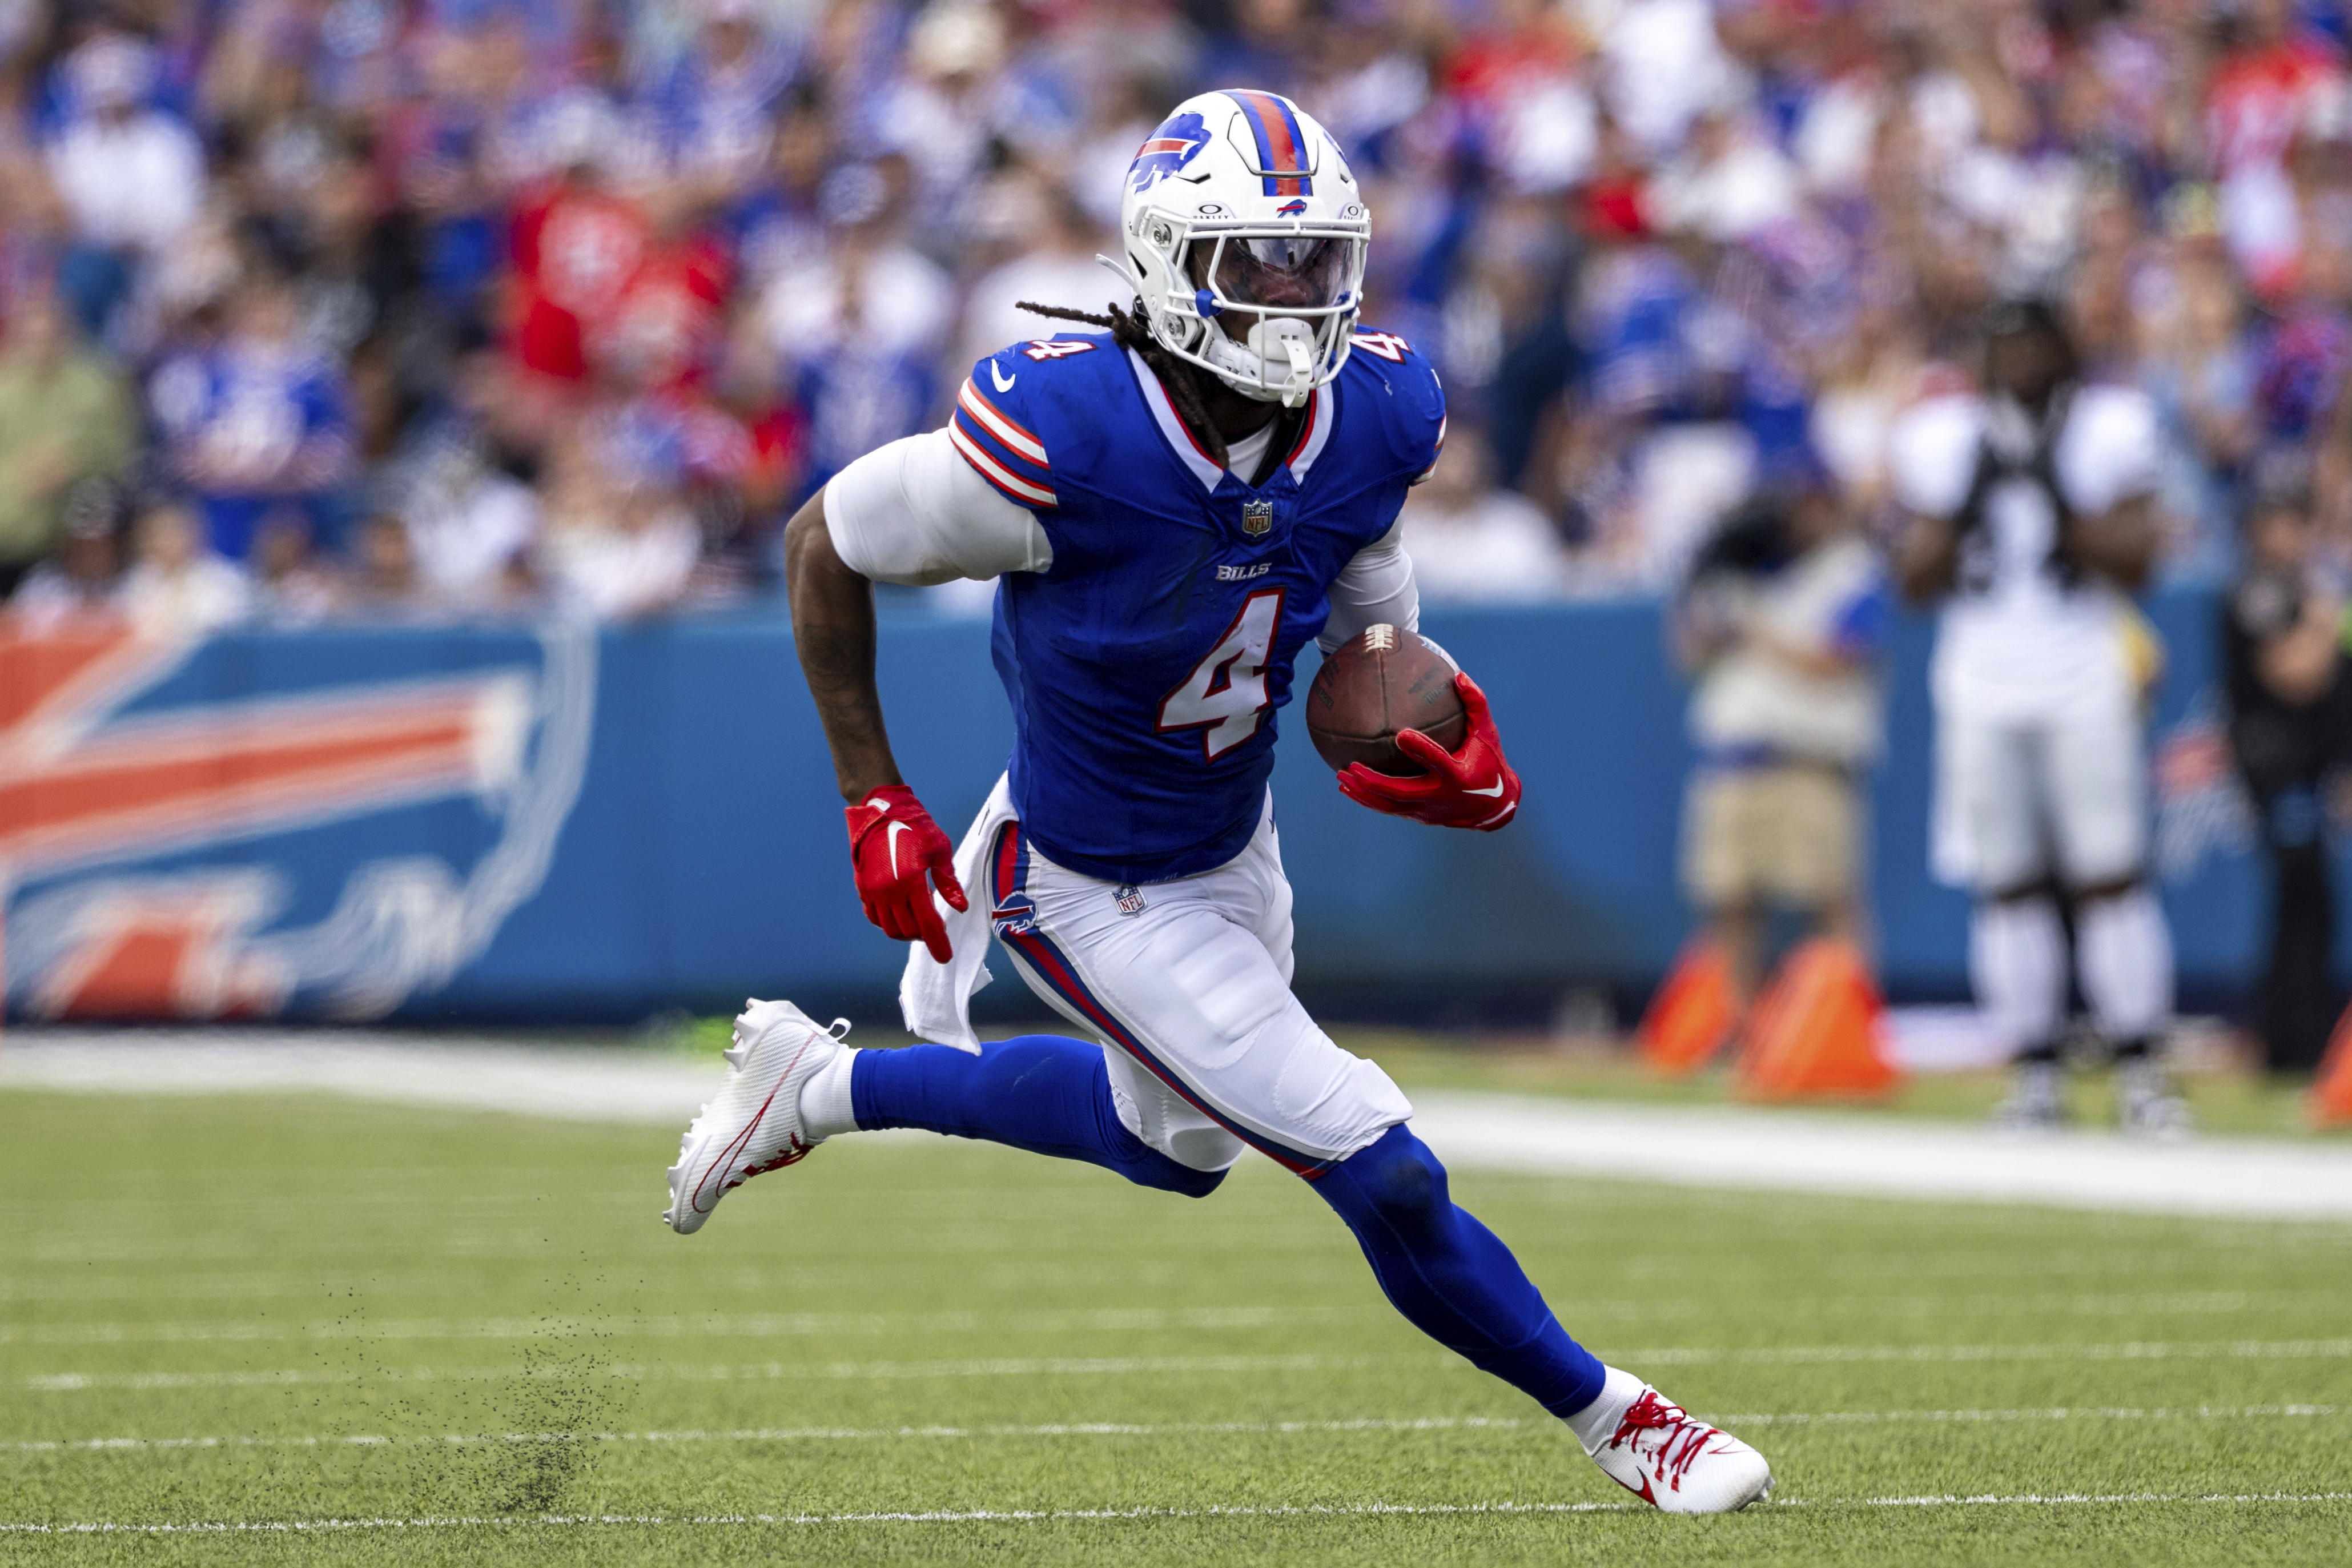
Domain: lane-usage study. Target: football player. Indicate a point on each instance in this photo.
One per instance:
(1175, 506)
(2032, 519)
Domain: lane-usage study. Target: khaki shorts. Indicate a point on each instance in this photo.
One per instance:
(1781, 832)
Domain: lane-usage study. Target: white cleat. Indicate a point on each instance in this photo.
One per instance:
(754, 1124)
(2147, 1106)
(1671, 1461)
(2036, 1100)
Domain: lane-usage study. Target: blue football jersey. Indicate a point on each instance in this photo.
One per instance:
(1146, 667)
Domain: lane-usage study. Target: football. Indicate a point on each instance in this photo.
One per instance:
(1379, 682)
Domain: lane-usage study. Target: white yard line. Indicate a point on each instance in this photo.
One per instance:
(696, 1325)
(754, 1371)
(1880, 1156)
(1108, 1319)
(1026, 1516)
(1733, 1147)
(1163, 1429)
(1118, 1366)
(567, 1083)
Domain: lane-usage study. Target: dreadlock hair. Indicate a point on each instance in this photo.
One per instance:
(1128, 329)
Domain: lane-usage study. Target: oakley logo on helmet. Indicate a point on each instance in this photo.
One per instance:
(1167, 150)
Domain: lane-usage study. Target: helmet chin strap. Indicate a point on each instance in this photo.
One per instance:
(1274, 365)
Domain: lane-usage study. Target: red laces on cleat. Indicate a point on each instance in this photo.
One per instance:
(1679, 1442)
(792, 1153)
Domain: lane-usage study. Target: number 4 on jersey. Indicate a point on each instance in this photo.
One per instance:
(1226, 695)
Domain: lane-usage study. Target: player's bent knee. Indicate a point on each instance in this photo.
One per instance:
(1394, 1181)
(1148, 1167)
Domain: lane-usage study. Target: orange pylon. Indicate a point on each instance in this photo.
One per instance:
(1816, 1029)
(2331, 1091)
(1691, 1016)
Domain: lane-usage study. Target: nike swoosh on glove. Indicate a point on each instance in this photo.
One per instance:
(896, 850)
(1473, 787)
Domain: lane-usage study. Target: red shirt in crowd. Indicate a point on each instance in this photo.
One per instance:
(2257, 101)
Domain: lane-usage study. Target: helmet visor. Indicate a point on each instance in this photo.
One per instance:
(1280, 272)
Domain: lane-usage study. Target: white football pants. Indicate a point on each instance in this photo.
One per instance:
(1187, 986)
(2037, 797)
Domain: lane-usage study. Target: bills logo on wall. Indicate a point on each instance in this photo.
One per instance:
(262, 825)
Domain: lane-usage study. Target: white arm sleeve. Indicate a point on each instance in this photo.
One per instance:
(1932, 454)
(915, 512)
(1374, 589)
(2112, 449)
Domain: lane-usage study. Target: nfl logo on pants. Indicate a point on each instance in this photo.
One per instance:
(1257, 517)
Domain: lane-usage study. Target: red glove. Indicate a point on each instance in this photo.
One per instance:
(1473, 787)
(893, 843)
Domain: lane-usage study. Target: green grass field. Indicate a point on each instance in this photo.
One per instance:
(471, 1329)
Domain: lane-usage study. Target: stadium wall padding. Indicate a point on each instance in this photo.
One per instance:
(702, 856)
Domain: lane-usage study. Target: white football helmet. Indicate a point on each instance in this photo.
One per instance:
(1245, 236)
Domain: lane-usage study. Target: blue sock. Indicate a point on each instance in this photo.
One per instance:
(1451, 1277)
(1039, 1092)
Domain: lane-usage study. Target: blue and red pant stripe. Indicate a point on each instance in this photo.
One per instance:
(1016, 927)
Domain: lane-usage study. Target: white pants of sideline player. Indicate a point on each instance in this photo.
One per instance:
(2026, 798)
(1187, 986)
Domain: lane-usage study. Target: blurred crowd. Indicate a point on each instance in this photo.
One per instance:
(412, 308)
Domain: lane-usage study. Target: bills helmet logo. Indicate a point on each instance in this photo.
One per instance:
(1167, 150)
(247, 827)
(1257, 518)
(1291, 209)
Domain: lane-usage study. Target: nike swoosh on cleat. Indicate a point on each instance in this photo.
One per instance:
(1498, 789)
(726, 1155)
(896, 829)
(1003, 382)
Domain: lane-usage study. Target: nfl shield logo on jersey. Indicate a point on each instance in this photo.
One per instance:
(1257, 518)
(1130, 900)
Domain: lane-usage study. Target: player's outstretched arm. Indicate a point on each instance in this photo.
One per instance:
(1474, 787)
(895, 850)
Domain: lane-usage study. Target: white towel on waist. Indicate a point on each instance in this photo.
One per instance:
(935, 998)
